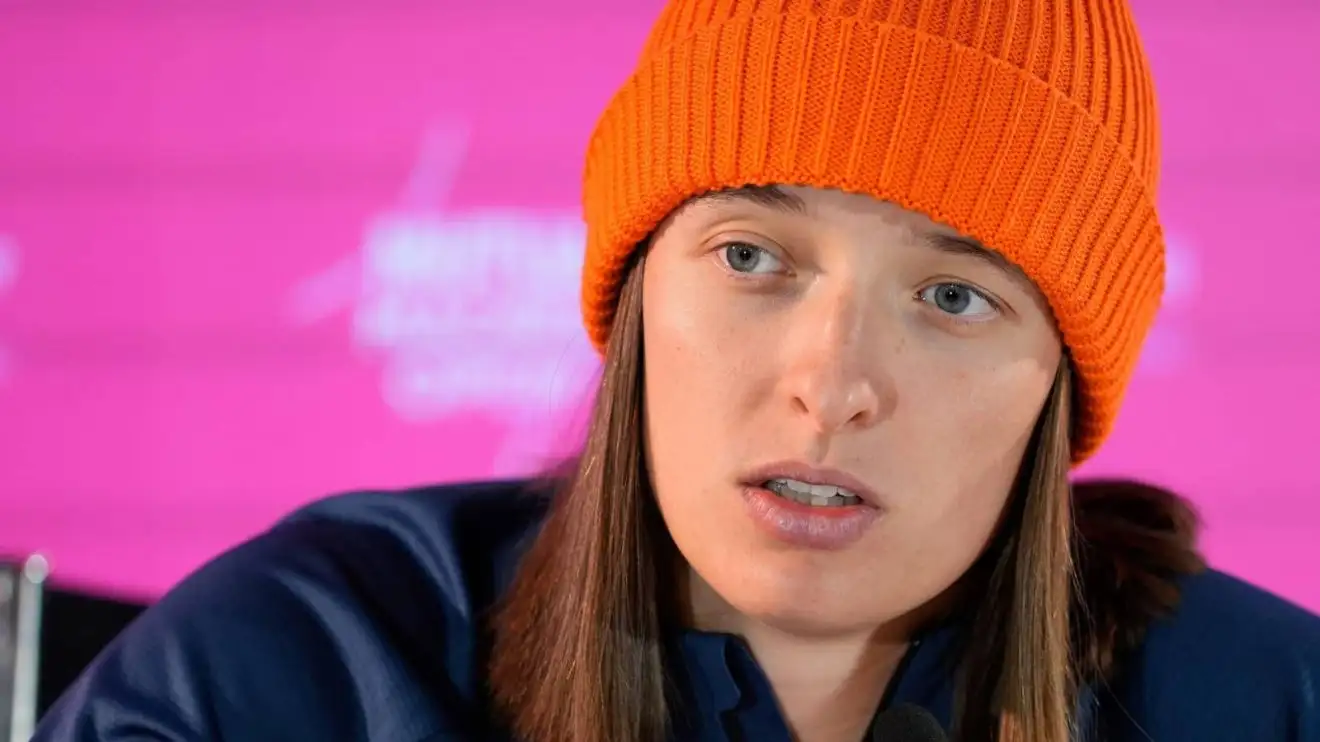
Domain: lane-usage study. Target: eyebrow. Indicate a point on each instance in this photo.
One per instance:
(770, 196)
(952, 244)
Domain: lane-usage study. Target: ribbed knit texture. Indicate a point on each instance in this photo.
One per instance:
(1029, 125)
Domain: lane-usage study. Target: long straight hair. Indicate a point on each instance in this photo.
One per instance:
(578, 652)
(1018, 682)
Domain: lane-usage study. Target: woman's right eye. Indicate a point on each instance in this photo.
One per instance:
(744, 257)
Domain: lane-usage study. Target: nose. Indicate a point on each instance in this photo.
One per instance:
(833, 377)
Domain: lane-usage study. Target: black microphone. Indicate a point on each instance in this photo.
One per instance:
(907, 723)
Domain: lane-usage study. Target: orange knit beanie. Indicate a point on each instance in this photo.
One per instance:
(1029, 125)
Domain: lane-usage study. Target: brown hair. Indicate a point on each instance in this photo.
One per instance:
(1065, 588)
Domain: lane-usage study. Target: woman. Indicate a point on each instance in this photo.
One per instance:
(868, 277)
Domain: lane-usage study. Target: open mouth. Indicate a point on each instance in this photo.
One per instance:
(815, 495)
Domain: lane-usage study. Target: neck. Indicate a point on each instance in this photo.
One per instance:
(828, 685)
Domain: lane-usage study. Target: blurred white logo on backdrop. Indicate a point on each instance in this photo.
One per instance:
(467, 310)
(9, 264)
(1167, 349)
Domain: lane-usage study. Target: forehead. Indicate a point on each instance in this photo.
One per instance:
(806, 201)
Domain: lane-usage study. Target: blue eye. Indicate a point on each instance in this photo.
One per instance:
(958, 300)
(743, 257)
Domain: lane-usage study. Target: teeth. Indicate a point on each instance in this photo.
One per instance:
(817, 495)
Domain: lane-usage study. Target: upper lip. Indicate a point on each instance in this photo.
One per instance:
(813, 475)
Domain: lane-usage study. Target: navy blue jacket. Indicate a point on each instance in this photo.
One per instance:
(357, 618)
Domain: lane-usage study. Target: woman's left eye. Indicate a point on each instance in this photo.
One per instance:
(958, 300)
(744, 257)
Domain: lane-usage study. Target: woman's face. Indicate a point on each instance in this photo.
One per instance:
(796, 337)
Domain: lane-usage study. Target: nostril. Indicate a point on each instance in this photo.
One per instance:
(800, 406)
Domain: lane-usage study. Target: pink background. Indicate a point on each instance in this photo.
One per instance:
(257, 251)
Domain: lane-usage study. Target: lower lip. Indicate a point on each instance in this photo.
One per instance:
(826, 528)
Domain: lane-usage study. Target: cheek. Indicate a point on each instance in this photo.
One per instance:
(686, 385)
(978, 420)
(680, 342)
(966, 439)
(705, 343)
(704, 380)
(690, 311)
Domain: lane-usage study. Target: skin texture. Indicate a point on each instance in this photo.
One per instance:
(839, 331)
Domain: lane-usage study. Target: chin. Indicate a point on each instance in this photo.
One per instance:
(808, 620)
(796, 598)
